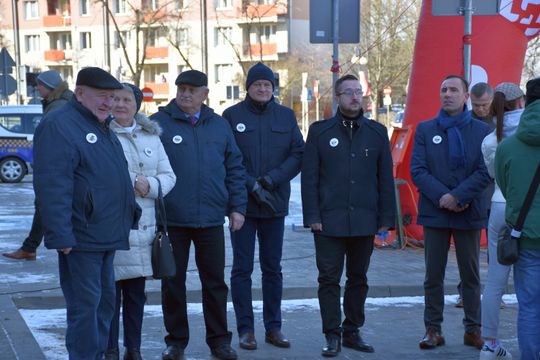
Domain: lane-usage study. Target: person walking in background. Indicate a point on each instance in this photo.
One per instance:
(54, 94)
(347, 197)
(271, 144)
(149, 167)
(481, 98)
(86, 200)
(506, 110)
(516, 161)
(210, 185)
(448, 169)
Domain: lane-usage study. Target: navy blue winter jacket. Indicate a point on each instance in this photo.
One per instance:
(271, 144)
(210, 177)
(347, 185)
(434, 178)
(83, 189)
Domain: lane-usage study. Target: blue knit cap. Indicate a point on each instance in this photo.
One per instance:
(137, 93)
(260, 71)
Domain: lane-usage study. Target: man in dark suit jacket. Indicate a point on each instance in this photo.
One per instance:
(347, 197)
(448, 169)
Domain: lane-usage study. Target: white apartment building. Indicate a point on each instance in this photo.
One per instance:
(222, 39)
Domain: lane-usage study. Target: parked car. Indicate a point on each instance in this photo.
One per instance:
(17, 126)
(398, 119)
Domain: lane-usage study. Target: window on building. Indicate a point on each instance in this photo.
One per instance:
(223, 3)
(150, 4)
(268, 34)
(222, 35)
(31, 42)
(119, 6)
(181, 4)
(154, 36)
(31, 9)
(59, 7)
(155, 73)
(182, 37)
(86, 40)
(122, 35)
(223, 72)
(60, 41)
(266, 2)
(233, 92)
(84, 6)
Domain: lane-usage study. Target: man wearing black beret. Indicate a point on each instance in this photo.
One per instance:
(210, 185)
(86, 200)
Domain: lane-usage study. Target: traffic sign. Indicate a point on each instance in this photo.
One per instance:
(6, 62)
(8, 85)
(387, 90)
(148, 94)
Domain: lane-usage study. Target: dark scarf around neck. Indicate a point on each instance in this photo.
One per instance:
(456, 143)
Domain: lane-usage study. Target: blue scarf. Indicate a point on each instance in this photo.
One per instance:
(456, 144)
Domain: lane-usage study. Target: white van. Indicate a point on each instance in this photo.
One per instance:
(17, 126)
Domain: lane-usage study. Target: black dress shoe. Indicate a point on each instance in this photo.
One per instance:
(112, 354)
(332, 347)
(248, 342)
(224, 352)
(133, 354)
(276, 338)
(354, 341)
(172, 352)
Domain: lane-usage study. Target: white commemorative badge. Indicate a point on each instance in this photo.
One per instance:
(91, 138)
(240, 127)
(148, 151)
(437, 139)
(177, 139)
(334, 142)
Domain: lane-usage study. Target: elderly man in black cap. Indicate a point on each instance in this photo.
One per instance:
(210, 185)
(55, 93)
(268, 136)
(87, 203)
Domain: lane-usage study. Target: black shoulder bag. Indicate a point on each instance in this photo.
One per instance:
(508, 246)
(163, 264)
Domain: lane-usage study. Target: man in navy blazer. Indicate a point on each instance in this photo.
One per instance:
(448, 169)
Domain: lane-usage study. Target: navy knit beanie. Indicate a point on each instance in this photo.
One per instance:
(260, 71)
(137, 93)
(533, 91)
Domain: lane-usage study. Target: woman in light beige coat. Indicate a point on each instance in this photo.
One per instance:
(147, 162)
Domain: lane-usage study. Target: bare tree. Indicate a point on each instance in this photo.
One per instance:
(143, 20)
(388, 29)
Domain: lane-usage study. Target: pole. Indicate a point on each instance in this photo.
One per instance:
(17, 49)
(204, 37)
(335, 55)
(107, 35)
(467, 13)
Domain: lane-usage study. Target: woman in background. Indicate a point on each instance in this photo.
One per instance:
(147, 162)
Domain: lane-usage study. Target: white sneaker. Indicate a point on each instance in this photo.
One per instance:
(499, 353)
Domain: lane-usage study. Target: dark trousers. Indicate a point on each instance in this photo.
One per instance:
(467, 244)
(131, 297)
(32, 242)
(270, 235)
(330, 254)
(210, 258)
(87, 281)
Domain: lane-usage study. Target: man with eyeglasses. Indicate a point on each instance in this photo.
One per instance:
(210, 185)
(347, 198)
(272, 145)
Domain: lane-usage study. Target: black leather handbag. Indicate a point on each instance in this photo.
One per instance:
(508, 245)
(163, 264)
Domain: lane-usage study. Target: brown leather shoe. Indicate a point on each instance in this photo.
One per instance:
(21, 255)
(432, 339)
(276, 338)
(473, 339)
(248, 342)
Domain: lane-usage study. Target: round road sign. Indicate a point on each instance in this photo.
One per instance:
(148, 94)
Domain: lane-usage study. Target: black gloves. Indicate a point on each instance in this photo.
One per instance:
(263, 197)
(266, 182)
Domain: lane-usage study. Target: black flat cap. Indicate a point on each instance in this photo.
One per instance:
(97, 78)
(193, 78)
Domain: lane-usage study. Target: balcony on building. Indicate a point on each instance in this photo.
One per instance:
(159, 52)
(58, 13)
(265, 12)
(54, 55)
(258, 50)
(159, 88)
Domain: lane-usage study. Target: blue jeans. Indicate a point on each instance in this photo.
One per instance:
(527, 284)
(87, 281)
(270, 234)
